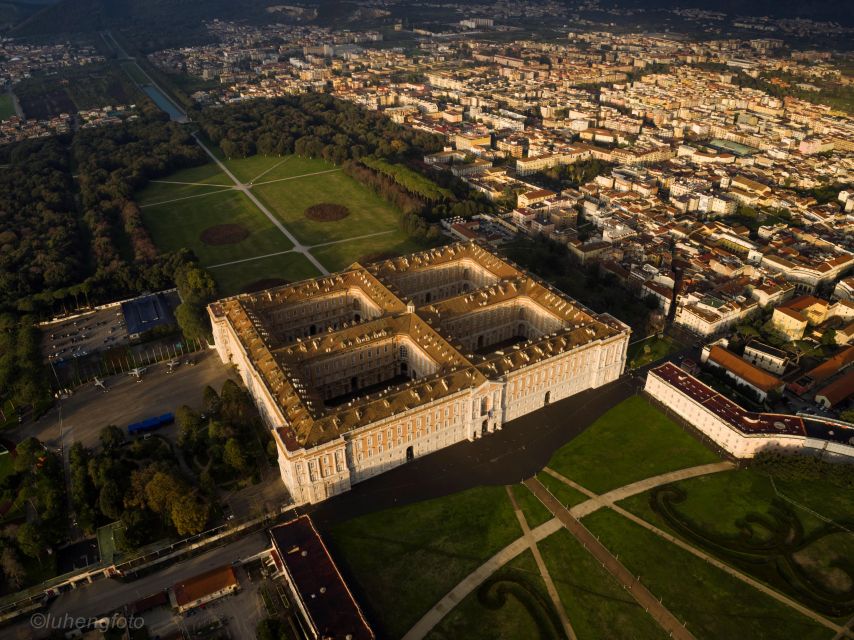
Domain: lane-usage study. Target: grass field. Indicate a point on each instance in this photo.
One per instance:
(638, 355)
(713, 603)
(179, 207)
(632, 441)
(256, 169)
(7, 106)
(289, 199)
(165, 190)
(343, 254)
(401, 561)
(736, 516)
(596, 603)
(512, 604)
(534, 511)
(179, 224)
(565, 494)
(237, 278)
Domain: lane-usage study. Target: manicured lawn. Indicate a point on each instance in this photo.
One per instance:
(632, 441)
(568, 496)
(534, 511)
(162, 189)
(6, 465)
(273, 167)
(737, 517)
(511, 605)
(180, 224)
(597, 605)
(237, 278)
(638, 355)
(341, 255)
(401, 561)
(289, 199)
(7, 106)
(714, 604)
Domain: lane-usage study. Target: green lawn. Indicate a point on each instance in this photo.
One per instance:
(638, 355)
(237, 278)
(289, 199)
(207, 178)
(341, 255)
(7, 106)
(632, 441)
(713, 603)
(179, 224)
(597, 605)
(534, 511)
(6, 465)
(273, 167)
(568, 496)
(512, 604)
(735, 515)
(401, 561)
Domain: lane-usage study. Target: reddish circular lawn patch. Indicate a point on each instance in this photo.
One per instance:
(264, 284)
(327, 212)
(224, 234)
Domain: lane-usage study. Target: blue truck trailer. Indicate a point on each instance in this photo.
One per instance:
(151, 424)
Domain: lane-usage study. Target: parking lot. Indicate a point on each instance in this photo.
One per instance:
(85, 334)
(127, 399)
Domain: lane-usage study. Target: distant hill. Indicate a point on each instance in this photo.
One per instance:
(832, 10)
(155, 20)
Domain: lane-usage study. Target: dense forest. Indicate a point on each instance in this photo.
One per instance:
(41, 238)
(314, 125)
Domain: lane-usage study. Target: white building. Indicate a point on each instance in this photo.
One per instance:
(742, 433)
(362, 370)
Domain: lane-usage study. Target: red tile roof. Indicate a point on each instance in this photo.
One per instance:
(751, 374)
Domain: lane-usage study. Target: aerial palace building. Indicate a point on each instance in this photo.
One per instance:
(360, 371)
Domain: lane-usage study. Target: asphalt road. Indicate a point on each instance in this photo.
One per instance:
(106, 595)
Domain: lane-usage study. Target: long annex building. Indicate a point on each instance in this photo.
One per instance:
(362, 370)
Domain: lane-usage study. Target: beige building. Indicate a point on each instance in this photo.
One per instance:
(362, 370)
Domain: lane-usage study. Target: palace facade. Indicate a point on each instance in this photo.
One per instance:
(362, 370)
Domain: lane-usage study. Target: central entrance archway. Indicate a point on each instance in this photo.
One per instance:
(410, 454)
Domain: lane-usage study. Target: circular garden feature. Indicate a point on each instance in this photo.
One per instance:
(222, 234)
(327, 212)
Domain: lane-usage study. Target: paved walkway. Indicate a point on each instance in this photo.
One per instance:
(470, 582)
(298, 247)
(809, 613)
(639, 592)
(474, 579)
(544, 572)
(610, 499)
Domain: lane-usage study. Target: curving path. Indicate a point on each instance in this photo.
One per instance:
(476, 577)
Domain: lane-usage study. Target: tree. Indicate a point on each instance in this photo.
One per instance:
(189, 425)
(161, 491)
(847, 416)
(210, 401)
(111, 437)
(110, 500)
(30, 540)
(193, 321)
(27, 453)
(233, 455)
(190, 514)
(12, 567)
